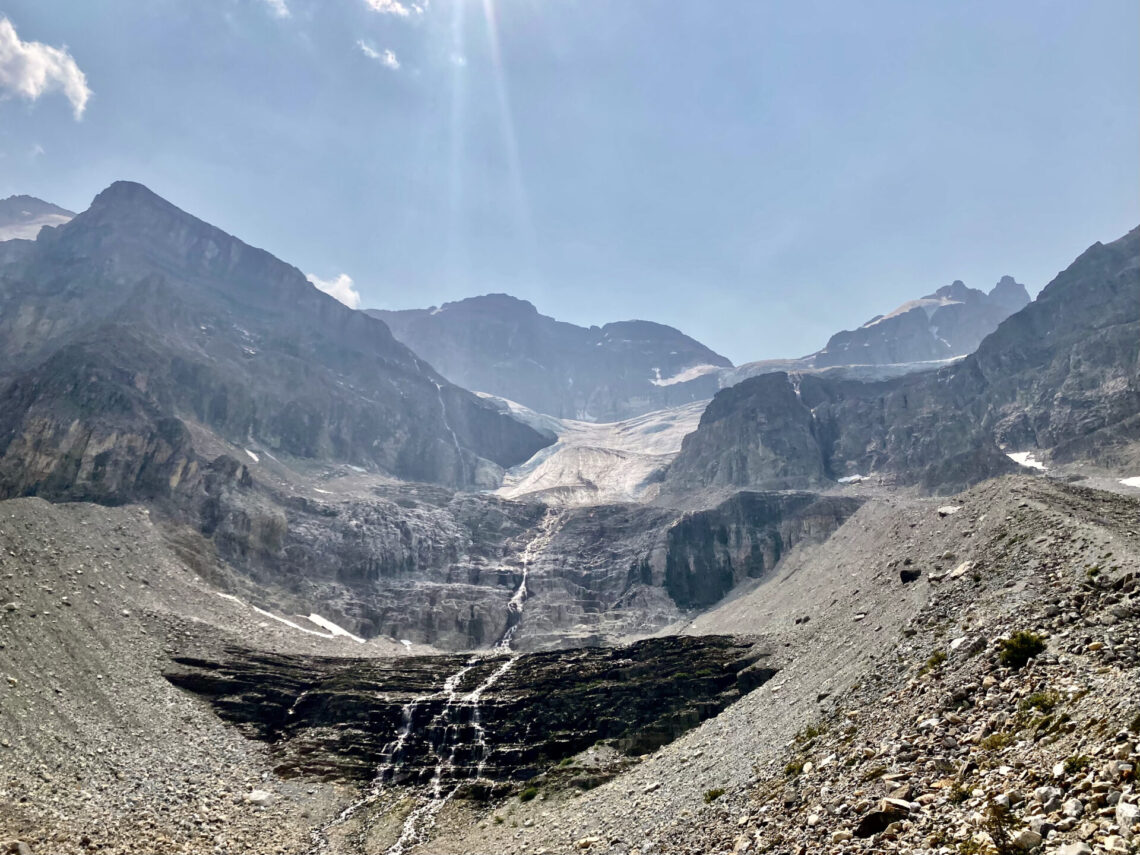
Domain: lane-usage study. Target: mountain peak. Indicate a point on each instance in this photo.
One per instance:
(498, 303)
(1010, 293)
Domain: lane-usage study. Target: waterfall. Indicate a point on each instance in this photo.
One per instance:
(456, 710)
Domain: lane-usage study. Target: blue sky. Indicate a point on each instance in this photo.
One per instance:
(758, 174)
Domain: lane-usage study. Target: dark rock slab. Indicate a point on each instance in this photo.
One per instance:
(507, 718)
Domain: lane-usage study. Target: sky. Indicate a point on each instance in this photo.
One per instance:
(757, 174)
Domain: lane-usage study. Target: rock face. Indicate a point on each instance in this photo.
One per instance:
(950, 322)
(135, 319)
(440, 568)
(1059, 375)
(495, 719)
(503, 346)
(22, 217)
(711, 552)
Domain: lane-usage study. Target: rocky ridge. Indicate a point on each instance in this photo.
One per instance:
(948, 323)
(1058, 378)
(501, 345)
(135, 319)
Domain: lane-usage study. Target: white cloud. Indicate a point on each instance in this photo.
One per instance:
(395, 7)
(278, 7)
(29, 69)
(384, 57)
(340, 287)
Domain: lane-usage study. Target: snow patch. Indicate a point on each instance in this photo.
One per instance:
(253, 456)
(684, 376)
(852, 479)
(405, 642)
(1025, 458)
(324, 623)
(1131, 482)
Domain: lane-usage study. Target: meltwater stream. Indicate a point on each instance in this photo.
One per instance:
(458, 711)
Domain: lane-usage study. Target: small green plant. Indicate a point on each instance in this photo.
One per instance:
(959, 794)
(1075, 763)
(565, 761)
(528, 794)
(809, 733)
(713, 794)
(936, 658)
(1019, 648)
(1043, 702)
(996, 741)
(793, 769)
(1001, 825)
(499, 820)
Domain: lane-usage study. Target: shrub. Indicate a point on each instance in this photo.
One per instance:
(996, 741)
(528, 794)
(936, 659)
(959, 794)
(713, 794)
(1019, 648)
(793, 769)
(809, 733)
(1001, 825)
(1043, 702)
(1075, 763)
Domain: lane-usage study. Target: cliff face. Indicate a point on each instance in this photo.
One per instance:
(708, 553)
(503, 346)
(438, 568)
(1061, 375)
(135, 314)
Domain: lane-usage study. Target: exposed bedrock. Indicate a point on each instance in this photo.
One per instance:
(499, 719)
(437, 567)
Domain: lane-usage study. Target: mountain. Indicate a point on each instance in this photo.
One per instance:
(22, 217)
(950, 322)
(502, 346)
(136, 335)
(1061, 375)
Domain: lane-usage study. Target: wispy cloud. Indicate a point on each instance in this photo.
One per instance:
(384, 57)
(30, 69)
(395, 7)
(278, 7)
(341, 287)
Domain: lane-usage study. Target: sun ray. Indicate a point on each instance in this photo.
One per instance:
(510, 138)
